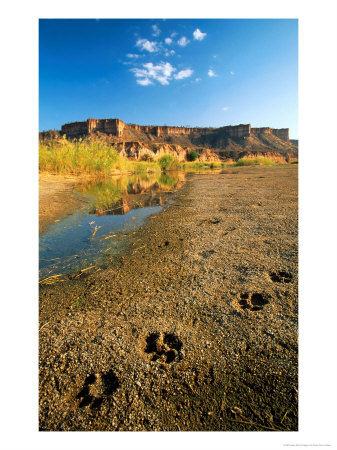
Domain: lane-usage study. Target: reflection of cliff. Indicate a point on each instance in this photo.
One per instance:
(122, 194)
(126, 204)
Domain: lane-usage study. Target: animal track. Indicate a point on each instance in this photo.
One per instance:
(164, 244)
(252, 301)
(212, 221)
(165, 347)
(96, 387)
(281, 277)
(228, 231)
(207, 253)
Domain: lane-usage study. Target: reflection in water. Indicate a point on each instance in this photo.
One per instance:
(120, 204)
(121, 194)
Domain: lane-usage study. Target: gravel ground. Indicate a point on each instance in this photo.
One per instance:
(194, 327)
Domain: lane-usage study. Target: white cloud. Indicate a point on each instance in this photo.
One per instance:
(132, 55)
(144, 82)
(183, 74)
(169, 52)
(144, 44)
(211, 73)
(161, 72)
(174, 34)
(225, 108)
(168, 41)
(197, 80)
(232, 73)
(198, 35)
(156, 31)
(183, 41)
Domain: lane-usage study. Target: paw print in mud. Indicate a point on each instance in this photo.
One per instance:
(281, 277)
(163, 347)
(96, 387)
(252, 301)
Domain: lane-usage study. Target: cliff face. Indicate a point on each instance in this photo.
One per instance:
(116, 127)
(148, 141)
(139, 151)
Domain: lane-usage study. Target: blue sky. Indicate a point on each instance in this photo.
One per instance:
(184, 72)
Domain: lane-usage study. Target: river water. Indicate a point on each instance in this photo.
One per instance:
(92, 235)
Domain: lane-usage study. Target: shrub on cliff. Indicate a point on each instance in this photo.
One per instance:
(192, 155)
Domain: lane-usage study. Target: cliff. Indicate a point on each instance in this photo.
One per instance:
(117, 127)
(152, 141)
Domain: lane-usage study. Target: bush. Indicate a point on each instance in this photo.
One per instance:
(168, 162)
(192, 155)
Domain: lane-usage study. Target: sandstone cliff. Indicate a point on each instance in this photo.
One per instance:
(141, 151)
(227, 143)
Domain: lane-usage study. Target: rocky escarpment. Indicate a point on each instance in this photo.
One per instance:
(140, 151)
(228, 143)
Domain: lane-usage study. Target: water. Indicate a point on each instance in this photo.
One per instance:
(93, 235)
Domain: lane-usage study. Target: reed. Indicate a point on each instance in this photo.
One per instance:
(76, 157)
(254, 162)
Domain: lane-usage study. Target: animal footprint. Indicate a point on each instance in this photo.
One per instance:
(208, 253)
(96, 387)
(165, 347)
(164, 244)
(281, 277)
(252, 301)
(212, 221)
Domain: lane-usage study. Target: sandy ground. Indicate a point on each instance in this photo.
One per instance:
(194, 327)
(56, 198)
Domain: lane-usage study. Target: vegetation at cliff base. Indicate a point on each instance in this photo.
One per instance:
(168, 162)
(192, 155)
(254, 162)
(96, 157)
(77, 157)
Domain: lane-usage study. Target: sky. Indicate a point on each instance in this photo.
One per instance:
(179, 72)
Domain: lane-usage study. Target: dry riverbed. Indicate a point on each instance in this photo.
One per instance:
(194, 327)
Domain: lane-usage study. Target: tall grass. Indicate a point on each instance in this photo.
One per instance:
(168, 162)
(87, 157)
(93, 157)
(254, 162)
(197, 166)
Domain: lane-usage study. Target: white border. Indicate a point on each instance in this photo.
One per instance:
(19, 82)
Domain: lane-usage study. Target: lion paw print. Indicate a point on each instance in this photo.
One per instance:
(165, 347)
(252, 301)
(96, 387)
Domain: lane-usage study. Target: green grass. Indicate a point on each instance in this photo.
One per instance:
(197, 166)
(168, 162)
(254, 162)
(84, 157)
(87, 157)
